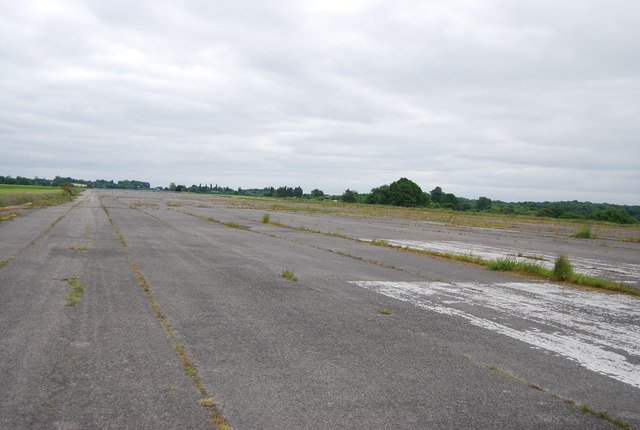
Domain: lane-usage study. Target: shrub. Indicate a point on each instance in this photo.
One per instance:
(562, 270)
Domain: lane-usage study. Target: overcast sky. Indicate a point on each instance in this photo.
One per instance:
(513, 100)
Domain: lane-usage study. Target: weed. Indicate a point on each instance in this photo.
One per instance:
(583, 408)
(78, 248)
(502, 264)
(266, 219)
(286, 273)
(385, 312)
(234, 225)
(8, 216)
(531, 257)
(207, 401)
(562, 270)
(73, 297)
(583, 233)
(380, 242)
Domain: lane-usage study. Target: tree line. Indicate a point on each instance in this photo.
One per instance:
(402, 192)
(59, 181)
(405, 192)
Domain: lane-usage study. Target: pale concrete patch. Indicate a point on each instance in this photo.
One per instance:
(620, 272)
(601, 333)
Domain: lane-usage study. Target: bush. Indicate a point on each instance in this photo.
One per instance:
(562, 270)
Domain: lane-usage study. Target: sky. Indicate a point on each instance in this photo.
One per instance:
(512, 100)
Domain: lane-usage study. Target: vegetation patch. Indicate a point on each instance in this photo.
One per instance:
(235, 225)
(384, 312)
(190, 369)
(531, 257)
(5, 262)
(9, 216)
(77, 288)
(583, 233)
(79, 248)
(289, 274)
(502, 264)
(584, 408)
(562, 270)
(266, 219)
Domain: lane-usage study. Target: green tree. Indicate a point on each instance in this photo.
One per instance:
(172, 186)
(405, 192)
(350, 196)
(317, 193)
(436, 194)
(613, 215)
(484, 203)
(379, 196)
(449, 200)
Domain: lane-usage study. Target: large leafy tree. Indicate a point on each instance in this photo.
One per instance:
(380, 195)
(405, 192)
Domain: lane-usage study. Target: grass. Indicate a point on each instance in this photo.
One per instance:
(502, 264)
(584, 408)
(289, 274)
(24, 195)
(77, 288)
(266, 219)
(189, 367)
(8, 216)
(562, 270)
(583, 233)
(235, 225)
(27, 189)
(385, 312)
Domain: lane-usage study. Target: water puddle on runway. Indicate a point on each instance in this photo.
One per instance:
(619, 272)
(600, 332)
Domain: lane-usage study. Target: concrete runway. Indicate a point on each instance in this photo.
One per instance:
(457, 347)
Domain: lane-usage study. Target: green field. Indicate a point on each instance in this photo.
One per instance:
(27, 189)
(30, 195)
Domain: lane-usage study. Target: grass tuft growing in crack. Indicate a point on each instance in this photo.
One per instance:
(77, 288)
(287, 273)
(583, 233)
(215, 415)
(584, 408)
(502, 264)
(562, 270)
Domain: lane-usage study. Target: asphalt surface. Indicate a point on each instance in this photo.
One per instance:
(275, 353)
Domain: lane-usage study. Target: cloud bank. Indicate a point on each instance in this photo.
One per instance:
(510, 100)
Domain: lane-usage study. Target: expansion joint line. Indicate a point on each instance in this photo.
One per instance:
(584, 408)
(39, 236)
(190, 369)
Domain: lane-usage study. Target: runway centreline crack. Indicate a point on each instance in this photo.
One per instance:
(188, 366)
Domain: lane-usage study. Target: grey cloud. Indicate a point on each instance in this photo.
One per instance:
(489, 98)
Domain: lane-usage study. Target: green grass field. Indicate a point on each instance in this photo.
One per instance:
(17, 195)
(27, 189)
